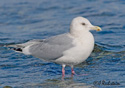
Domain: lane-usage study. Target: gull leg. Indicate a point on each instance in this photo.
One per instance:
(63, 70)
(72, 70)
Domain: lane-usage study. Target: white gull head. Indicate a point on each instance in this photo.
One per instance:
(81, 25)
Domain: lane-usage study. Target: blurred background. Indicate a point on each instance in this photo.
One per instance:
(23, 20)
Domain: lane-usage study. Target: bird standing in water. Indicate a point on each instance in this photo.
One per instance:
(69, 49)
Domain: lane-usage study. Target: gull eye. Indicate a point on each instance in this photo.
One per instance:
(83, 24)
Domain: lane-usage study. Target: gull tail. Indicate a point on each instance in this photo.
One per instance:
(24, 47)
(16, 47)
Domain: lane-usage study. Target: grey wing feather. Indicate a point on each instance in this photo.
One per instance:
(52, 48)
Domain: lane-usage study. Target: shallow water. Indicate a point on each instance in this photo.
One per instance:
(23, 20)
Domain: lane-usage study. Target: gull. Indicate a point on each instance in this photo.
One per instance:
(67, 49)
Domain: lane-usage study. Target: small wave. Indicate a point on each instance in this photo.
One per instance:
(109, 48)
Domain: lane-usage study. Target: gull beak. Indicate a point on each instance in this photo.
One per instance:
(97, 28)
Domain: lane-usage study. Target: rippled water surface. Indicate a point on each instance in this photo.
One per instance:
(22, 20)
